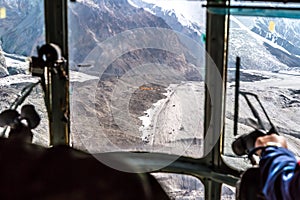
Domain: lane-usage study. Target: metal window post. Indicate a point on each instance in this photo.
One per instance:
(56, 22)
(216, 47)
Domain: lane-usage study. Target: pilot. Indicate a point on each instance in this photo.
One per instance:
(279, 169)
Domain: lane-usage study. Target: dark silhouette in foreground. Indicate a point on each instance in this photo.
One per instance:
(29, 171)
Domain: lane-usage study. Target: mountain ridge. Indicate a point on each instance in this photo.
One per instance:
(92, 22)
(270, 43)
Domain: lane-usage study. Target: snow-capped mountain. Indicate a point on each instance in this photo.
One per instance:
(286, 34)
(188, 18)
(92, 22)
(270, 43)
(250, 37)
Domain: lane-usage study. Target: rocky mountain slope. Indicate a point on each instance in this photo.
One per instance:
(3, 67)
(90, 23)
(267, 49)
(250, 37)
(22, 30)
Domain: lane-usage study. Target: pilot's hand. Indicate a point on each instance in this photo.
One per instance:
(270, 140)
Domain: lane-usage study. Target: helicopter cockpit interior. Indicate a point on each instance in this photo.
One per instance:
(142, 99)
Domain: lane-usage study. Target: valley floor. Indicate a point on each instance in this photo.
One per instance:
(172, 124)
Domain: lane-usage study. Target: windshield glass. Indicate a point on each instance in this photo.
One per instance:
(21, 31)
(269, 68)
(138, 74)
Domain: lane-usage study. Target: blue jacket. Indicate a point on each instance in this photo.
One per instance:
(280, 174)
